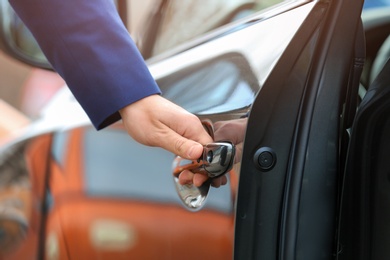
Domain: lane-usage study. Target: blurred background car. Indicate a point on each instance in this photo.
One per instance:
(81, 206)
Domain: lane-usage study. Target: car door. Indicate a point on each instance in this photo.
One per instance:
(292, 161)
(364, 220)
(364, 226)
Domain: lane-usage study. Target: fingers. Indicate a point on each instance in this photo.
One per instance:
(199, 179)
(155, 121)
(238, 155)
(220, 181)
(182, 146)
(187, 177)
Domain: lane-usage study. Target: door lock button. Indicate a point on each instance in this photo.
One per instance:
(265, 159)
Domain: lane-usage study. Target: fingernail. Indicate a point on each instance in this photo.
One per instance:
(191, 151)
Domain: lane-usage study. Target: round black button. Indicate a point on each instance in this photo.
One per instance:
(265, 158)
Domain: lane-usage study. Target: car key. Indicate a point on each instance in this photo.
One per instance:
(217, 159)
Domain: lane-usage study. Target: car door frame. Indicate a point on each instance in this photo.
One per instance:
(290, 210)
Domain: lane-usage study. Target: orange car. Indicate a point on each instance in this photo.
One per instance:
(102, 196)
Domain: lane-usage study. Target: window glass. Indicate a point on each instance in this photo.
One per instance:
(219, 85)
(185, 20)
(118, 167)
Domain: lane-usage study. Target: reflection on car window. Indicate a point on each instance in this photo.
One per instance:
(23, 39)
(185, 20)
(216, 86)
(118, 167)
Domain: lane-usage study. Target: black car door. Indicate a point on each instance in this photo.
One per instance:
(287, 204)
(365, 208)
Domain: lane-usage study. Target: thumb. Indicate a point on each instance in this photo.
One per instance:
(182, 146)
(155, 121)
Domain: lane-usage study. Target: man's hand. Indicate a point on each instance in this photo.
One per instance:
(188, 177)
(155, 121)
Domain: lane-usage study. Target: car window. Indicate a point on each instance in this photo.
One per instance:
(166, 25)
(218, 85)
(185, 20)
(180, 21)
(117, 167)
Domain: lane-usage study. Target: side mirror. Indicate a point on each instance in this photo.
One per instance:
(17, 41)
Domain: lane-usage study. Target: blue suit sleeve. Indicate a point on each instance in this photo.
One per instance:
(87, 44)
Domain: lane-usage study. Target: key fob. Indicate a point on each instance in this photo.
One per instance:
(216, 160)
